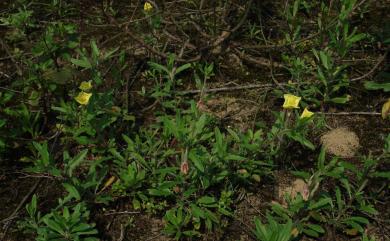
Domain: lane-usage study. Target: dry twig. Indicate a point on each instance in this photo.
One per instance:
(221, 89)
(380, 60)
(350, 113)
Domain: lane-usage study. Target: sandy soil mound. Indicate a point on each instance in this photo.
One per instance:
(291, 187)
(341, 142)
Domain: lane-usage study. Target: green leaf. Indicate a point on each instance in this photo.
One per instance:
(301, 174)
(90, 232)
(369, 209)
(170, 216)
(196, 211)
(159, 67)
(359, 220)
(187, 193)
(182, 68)
(110, 53)
(234, 135)
(43, 152)
(381, 174)
(82, 227)
(198, 164)
(317, 216)
(32, 206)
(370, 85)
(73, 193)
(321, 160)
(212, 216)
(159, 192)
(116, 154)
(261, 231)
(225, 212)
(200, 125)
(54, 226)
(136, 204)
(76, 161)
(91, 239)
(354, 225)
(140, 160)
(62, 76)
(84, 63)
(311, 233)
(347, 186)
(66, 213)
(206, 200)
(232, 157)
(356, 38)
(322, 202)
(324, 60)
(338, 199)
(280, 210)
(2, 122)
(315, 227)
(322, 77)
(191, 233)
(340, 100)
(301, 139)
(295, 7)
(95, 49)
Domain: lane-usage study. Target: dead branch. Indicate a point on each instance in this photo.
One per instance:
(258, 60)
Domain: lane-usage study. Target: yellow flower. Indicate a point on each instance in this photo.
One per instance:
(83, 98)
(306, 113)
(148, 7)
(85, 85)
(291, 101)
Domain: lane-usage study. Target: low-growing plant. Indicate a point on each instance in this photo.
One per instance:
(43, 162)
(273, 231)
(70, 110)
(166, 80)
(69, 224)
(330, 80)
(20, 22)
(348, 208)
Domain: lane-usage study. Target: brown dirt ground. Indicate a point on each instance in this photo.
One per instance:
(369, 129)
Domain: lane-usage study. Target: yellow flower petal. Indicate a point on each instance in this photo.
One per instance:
(386, 109)
(291, 101)
(306, 114)
(148, 7)
(83, 98)
(85, 85)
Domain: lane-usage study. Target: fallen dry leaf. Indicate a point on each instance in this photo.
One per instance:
(108, 183)
(386, 109)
